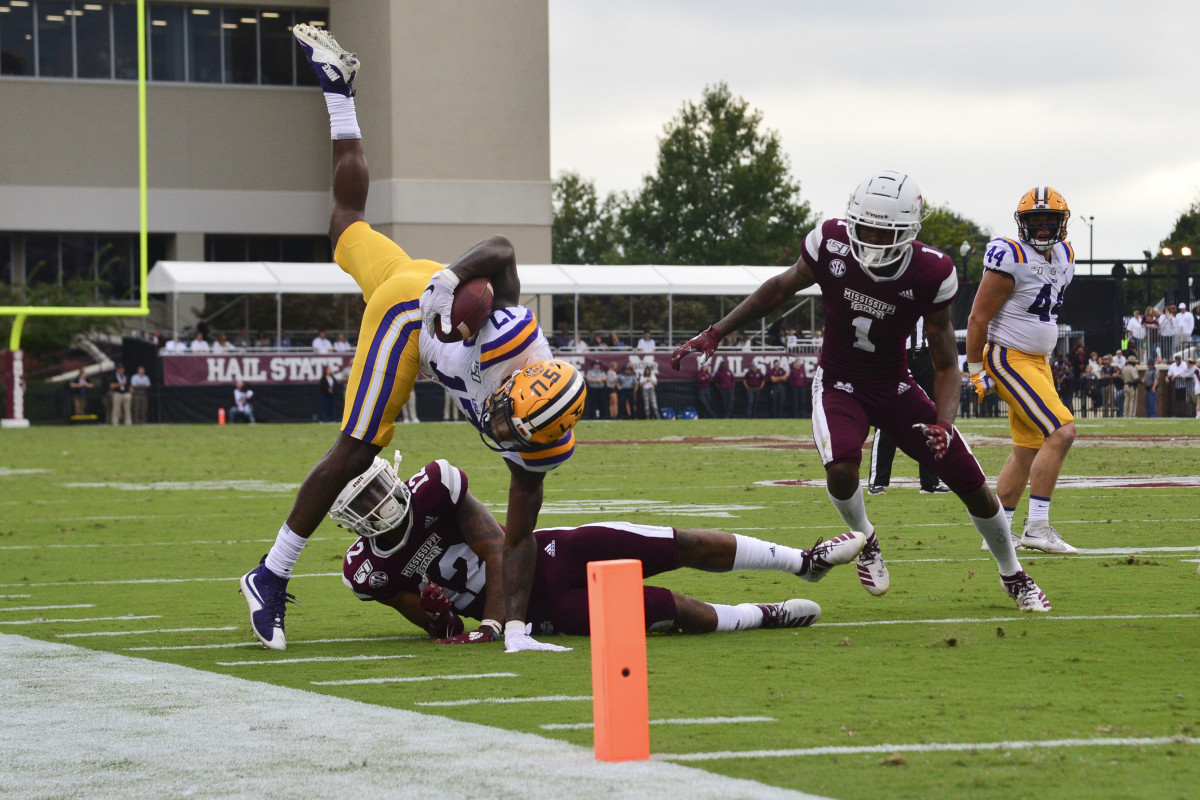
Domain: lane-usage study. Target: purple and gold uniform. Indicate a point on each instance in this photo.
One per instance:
(862, 378)
(558, 602)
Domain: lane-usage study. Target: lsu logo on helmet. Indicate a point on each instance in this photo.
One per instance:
(537, 406)
(1042, 209)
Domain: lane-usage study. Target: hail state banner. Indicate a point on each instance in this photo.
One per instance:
(209, 370)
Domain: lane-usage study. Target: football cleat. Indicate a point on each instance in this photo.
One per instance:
(333, 65)
(872, 573)
(876, 490)
(790, 613)
(1021, 588)
(1040, 535)
(266, 594)
(941, 488)
(823, 556)
(1016, 540)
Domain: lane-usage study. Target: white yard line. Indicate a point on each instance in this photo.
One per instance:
(73, 545)
(47, 608)
(417, 679)
(579, 726)
(160, 730)
(13, 596)
(1052, 617)
(552, 698)
(927, 748)
(145, 632)
(141, 581)
(307, 660)
(40, 621)
(291, 643)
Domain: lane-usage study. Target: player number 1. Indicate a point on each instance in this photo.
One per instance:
(862, 326)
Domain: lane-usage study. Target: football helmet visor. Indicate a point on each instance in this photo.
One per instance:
(1042, 216)
(538, 405)
(884, 216)
(375, 502)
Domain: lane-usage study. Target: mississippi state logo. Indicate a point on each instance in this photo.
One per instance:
(837, 268)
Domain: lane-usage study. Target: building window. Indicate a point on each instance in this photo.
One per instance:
(110, 259)
(196, 43)
(6, 262)
(296, 249)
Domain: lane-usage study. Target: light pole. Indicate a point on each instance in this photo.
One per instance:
(1091, 239)
(964, 250)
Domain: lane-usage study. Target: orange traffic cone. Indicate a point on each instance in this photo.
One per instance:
(220, 416)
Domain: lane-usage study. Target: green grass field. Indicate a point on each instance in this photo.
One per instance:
(108, 523)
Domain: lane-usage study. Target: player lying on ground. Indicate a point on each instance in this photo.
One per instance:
(426, 548)
(876, 281)
(523, 401)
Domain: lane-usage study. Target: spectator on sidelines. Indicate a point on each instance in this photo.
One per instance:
(648, 384)
(1134, 328)
(175, 345)
(1168, 332)
(791, 341)
(285, 341)
(242, 407)
(79, 393)
(118, 386)
(598, 344)
(1179, 375)
(199, 345)
(1185, 325)
(1196, 386)
(243, 341)
(646, 344)
(753, 381)
(139, 386)
(610, 381)
(562, 338)
(321, 344)
(723, 380)
(778, 376)
(1129, 377)
(1150, 381)
(327, 392)
(1109, 381)
(801, 393)
(704, 390)
(596, 402)
(627, 383)
(615, 343)
(340, 345)
(221, 345)
(263, 341)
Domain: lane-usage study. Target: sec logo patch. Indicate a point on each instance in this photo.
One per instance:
(378, 580)
(837, 267)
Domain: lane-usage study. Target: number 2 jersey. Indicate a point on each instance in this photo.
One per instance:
(1028, 320)
(471, 371)
(868, 318)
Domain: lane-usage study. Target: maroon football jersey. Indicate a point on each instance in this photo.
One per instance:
(434, 546)
(868, 319)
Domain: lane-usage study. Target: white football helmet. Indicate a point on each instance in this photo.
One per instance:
(375, 502)
(891, 204)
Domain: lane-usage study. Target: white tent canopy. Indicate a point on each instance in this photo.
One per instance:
(265, 277)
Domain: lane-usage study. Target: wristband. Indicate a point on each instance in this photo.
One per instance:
(515, 627)
(448, 275)
(974, 367)
(491, 625)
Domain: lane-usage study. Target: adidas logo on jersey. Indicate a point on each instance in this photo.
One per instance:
(429, 521)
(902, 389)
(907, 294)
(331, 72)
(550, 548)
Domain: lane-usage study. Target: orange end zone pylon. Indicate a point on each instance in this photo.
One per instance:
(620, 687)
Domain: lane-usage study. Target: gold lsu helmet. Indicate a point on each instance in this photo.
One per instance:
(538, 405)
(1042, 209)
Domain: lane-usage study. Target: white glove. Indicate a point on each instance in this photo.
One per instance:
(437, 300)
(517, 638)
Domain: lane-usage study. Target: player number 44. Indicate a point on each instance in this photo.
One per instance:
(1041, 307)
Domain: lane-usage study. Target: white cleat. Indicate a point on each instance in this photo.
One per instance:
(797, 613)
(872, 573)
(333, 65)
(841, 549)
(1040, 535)
(1025, 592)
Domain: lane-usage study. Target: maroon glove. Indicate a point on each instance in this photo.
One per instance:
(489, 631)
(433, 600)
(938, 436)
(704, 343)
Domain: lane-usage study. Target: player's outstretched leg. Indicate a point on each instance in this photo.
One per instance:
(334, 66)
(718, 551)
(1025, 592)
(841, 549)
(696, 616)
(266, 593)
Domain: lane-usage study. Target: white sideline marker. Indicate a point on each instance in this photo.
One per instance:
(145, 632)
(552, 698)
(226, 645)
(1040, 618)
(307, 660)
(579, 726)
(416, 679)
(927, 748)
(41, 621)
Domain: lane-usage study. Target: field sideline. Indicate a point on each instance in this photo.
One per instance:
(130, 542)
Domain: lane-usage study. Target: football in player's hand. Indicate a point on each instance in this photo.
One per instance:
(472, 304)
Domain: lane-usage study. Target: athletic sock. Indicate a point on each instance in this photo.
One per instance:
(853, 512)
(743, 617)
(285, 552)
(755, 554)
(343, 119)
(1039, 508)
(1008, 514)
(997, 533)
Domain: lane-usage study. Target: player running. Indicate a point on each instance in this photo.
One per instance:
(524, 402)
(427, 546)
(876, 281)
(1012, 330)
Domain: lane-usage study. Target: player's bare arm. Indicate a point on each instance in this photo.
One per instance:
(520, 548)
(939, 330)
(496, 259)
(351, 180)
(409, 605)
(483, 533)
(994, 291)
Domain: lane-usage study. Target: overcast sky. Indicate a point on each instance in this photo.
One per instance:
(977, 101)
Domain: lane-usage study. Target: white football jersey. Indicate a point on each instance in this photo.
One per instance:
(471, 371)
(1028, 320)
